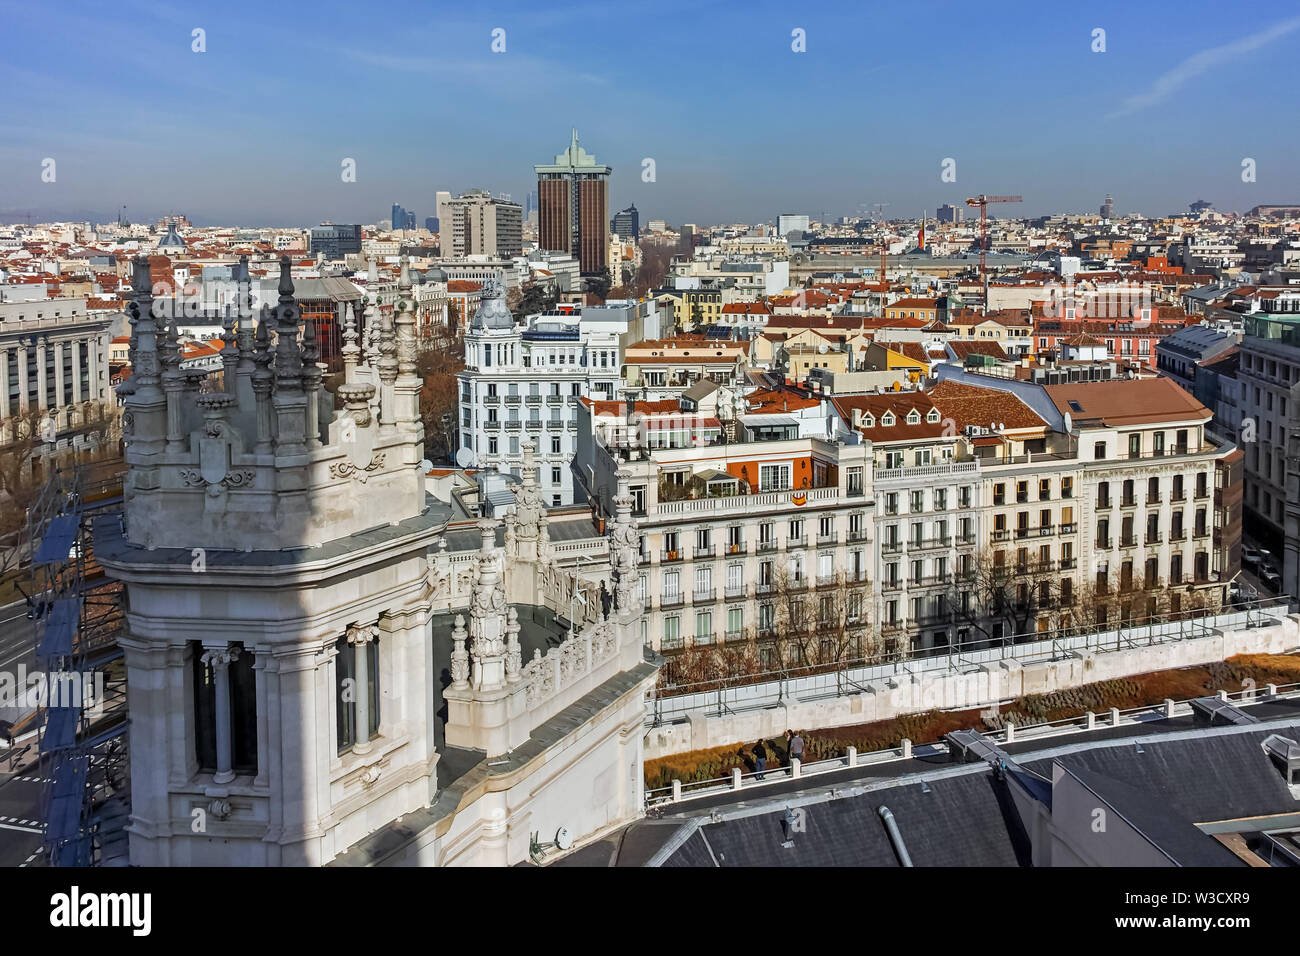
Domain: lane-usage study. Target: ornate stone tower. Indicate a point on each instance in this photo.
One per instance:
(296, 621)
(274, 552)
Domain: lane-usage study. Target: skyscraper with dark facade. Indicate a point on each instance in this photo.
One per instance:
(336, 241)
(626, 224)
(573, 208)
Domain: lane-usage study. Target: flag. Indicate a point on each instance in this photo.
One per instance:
(920, 237)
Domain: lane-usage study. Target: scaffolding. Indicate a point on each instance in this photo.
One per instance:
(80, 699)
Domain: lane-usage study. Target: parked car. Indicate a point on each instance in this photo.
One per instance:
(1239, 592)
(1269, 577)
(1252, 557)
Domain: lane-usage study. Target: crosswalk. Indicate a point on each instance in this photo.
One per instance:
(17, 823)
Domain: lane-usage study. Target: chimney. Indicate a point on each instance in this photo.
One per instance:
(857, 418)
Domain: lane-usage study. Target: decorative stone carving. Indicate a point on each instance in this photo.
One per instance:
(362, 633)
(513, 650)
(459, 656)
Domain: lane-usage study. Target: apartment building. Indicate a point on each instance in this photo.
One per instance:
(478, 224)
(522, 381)
(962, 515)
(53, 362)
(1267, 410)
(736, 537)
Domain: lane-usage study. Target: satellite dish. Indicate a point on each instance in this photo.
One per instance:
(465, 458)
(426, 466)
(563, 838)
(1069, 423)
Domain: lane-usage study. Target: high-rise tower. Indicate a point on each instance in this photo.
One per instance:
(573, 207)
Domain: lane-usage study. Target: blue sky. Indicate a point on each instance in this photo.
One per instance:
(740, 127)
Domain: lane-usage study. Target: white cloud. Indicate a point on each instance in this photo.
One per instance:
(1198, 63)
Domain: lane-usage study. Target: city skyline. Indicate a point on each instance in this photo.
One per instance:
(876, 116)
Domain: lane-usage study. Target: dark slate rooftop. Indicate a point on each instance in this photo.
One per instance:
(1165, 776)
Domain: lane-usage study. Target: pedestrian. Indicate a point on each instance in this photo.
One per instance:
(796, 747)
(760, 758)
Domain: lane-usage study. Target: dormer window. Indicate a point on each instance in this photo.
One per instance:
(887, 419)
(869, 420)
(914, 417)
(933, 417)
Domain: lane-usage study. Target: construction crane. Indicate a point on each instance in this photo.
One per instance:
(983, 202)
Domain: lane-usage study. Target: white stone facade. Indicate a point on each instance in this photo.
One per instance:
(283, 574)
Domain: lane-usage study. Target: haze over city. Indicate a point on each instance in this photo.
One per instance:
(739, 125)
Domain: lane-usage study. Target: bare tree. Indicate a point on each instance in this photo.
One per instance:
(1001, 594)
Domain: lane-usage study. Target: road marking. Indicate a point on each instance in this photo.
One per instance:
(22, 829)
(35, 854)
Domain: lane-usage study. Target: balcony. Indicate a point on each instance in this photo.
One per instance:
(512, 426)
(1003, 535)
(735, 591)
(1070, 528)
(1105, 544)
(827, 580)
(933, 580)
(705, 595)
(1154, 538)
(491, 400)
(831, 538)
(738, 548)
(763, 502)
(894, 585)
(1202, 532)
(764, 587)
(968, 538)
(768, 545)
(1178, 496)
(555, 399)
(673, 599)
(1103, 503)
(1045, 530)
(1154, 499)
(702, 552)
(1069, 564)
(534, 424)
(734, 636)
(491, 426)
(1202, 493)
(1022, 533)
(1129, 501)
(942, 542)
(1128, 541)
(532, 400)
(670, 554)
(571, 426)
(797, 542)
(704, 638)
(512, 399)
(858, 535)
(1178, 534)
(891, 547)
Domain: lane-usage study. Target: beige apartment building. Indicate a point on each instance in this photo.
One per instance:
(962, 516)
